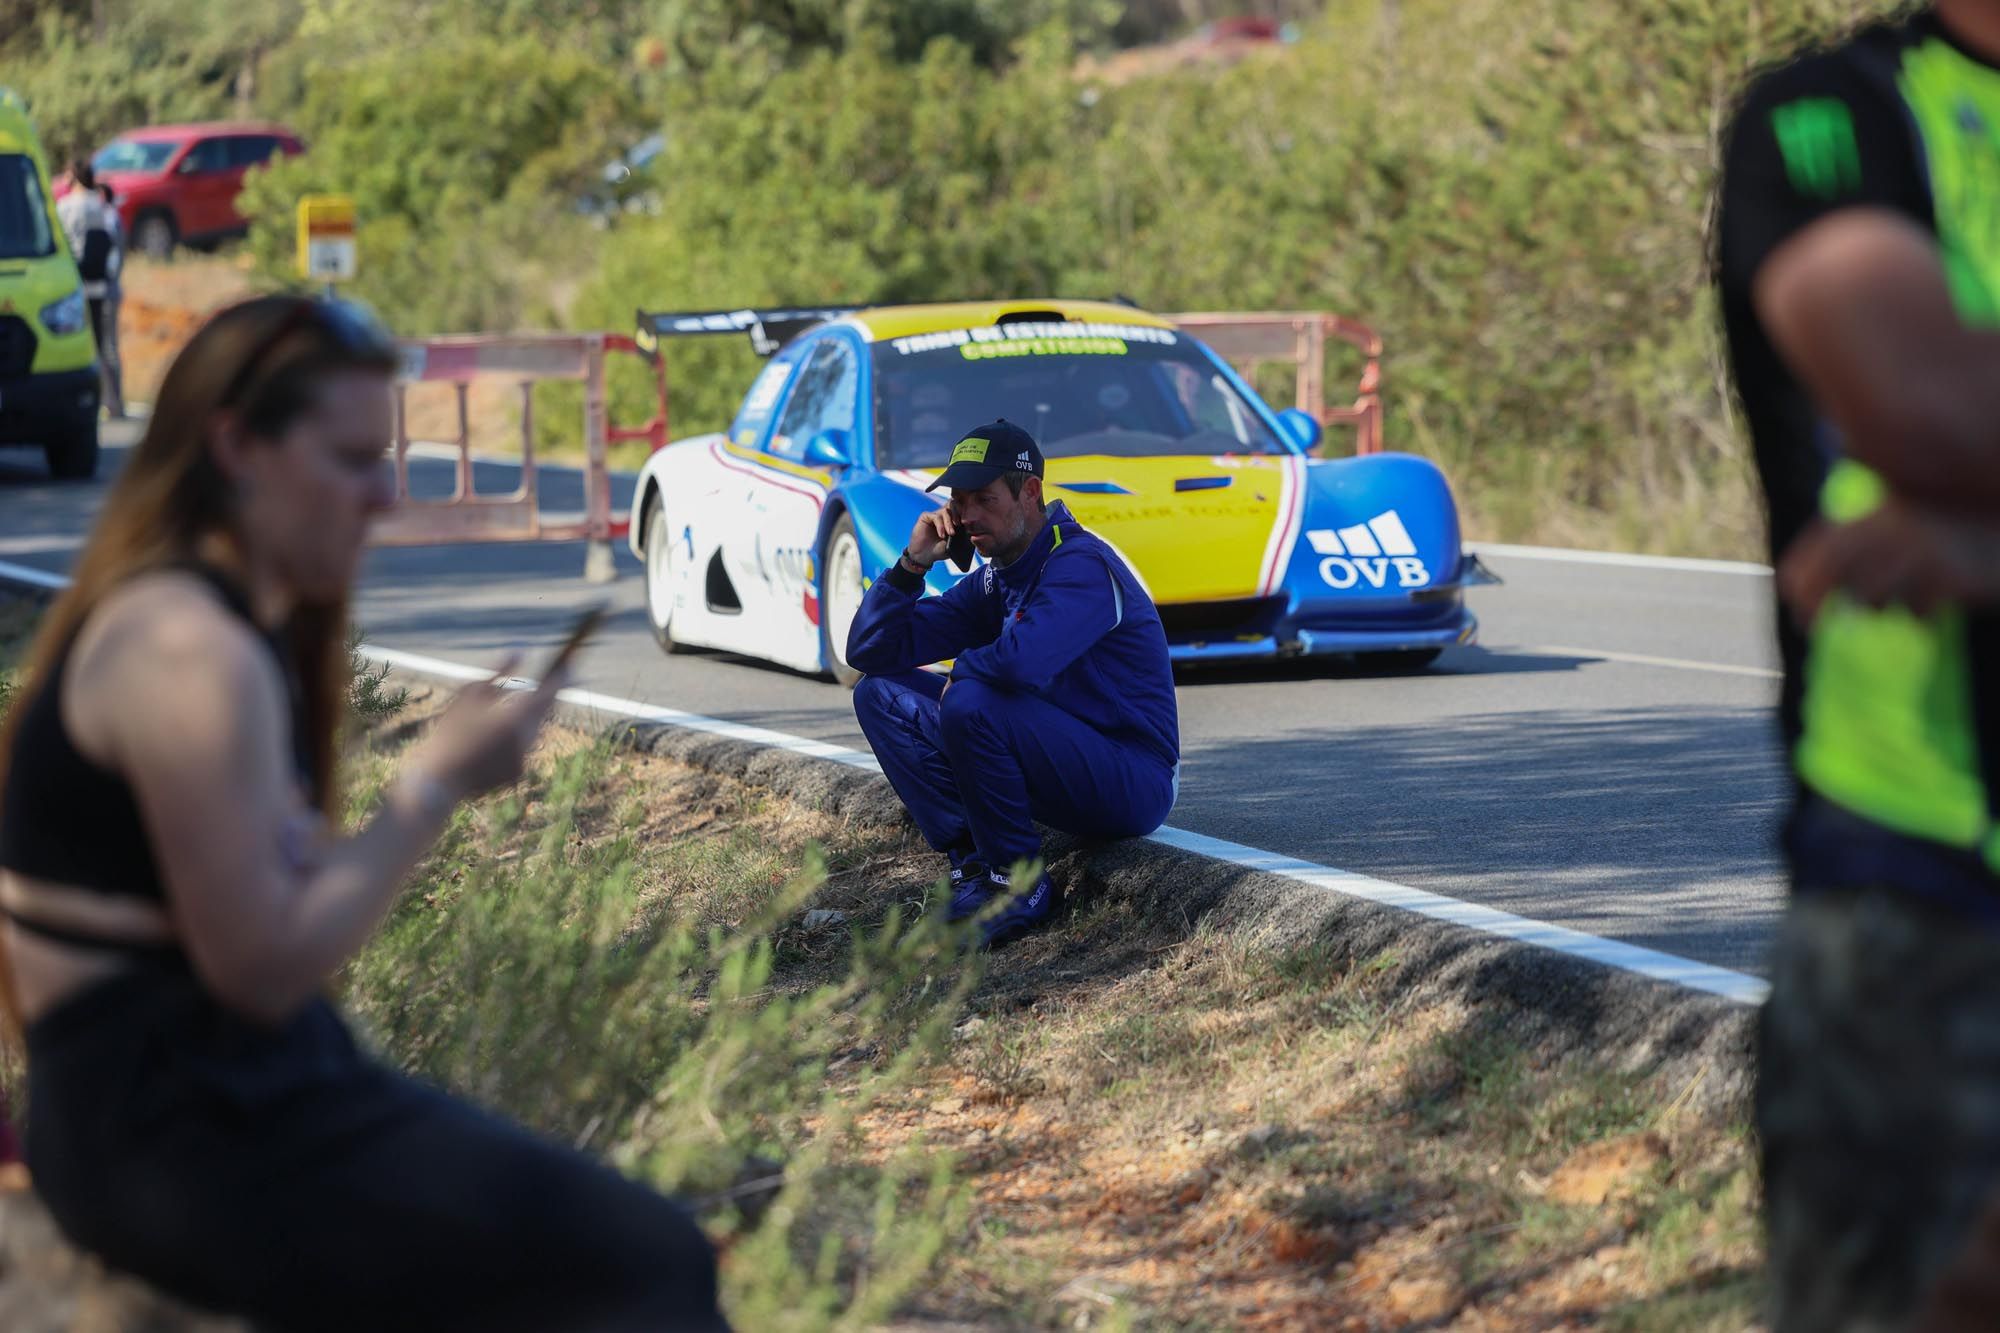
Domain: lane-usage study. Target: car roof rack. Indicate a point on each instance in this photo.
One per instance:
(769, 327)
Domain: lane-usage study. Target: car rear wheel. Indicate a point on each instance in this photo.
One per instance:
(73, 454)
(840, 594)
(154, 235)
(661, 587)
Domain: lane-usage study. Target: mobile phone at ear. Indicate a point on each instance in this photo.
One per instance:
(960, 550)
(586, 625)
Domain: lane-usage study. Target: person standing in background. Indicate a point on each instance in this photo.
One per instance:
(114, 297)
(92, 228)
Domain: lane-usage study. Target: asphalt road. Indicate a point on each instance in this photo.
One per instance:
(1604, 761)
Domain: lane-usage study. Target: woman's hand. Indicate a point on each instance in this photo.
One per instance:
(481, 740)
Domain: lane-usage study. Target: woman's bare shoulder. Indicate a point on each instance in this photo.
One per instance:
(162, 640)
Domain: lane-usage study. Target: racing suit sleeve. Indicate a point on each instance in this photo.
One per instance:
(1076, 603)
(899, 629)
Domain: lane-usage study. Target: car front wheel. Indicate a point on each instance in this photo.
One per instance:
(839, 597)
(154, 236)
(661, 580)
(72, 455)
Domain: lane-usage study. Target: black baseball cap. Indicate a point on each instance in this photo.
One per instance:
(989, 452)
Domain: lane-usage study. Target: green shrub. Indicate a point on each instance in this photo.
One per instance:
(464, 159)
(1515, 195)
(534, 980)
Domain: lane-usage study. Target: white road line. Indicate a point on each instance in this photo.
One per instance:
(34, 578)
(38, 545)
(1683, 564)
(1643, 659)
(606, 703)
(1737, 986)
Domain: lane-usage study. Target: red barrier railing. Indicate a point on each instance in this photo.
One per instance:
(516, 516)
(1247, 340)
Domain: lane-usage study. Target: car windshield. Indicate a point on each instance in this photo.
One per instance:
(133, 155)
(1127, 391)
(25, 232)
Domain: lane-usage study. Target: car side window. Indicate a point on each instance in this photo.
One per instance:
(208, 155)
(823, 399)
(250, 150)
(762, 399)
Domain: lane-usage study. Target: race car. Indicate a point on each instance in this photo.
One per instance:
(762, 539)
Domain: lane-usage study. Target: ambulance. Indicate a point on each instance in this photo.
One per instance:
(48, 359)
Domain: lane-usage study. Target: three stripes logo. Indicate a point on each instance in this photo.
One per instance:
(1816, 139)
(1368, 553)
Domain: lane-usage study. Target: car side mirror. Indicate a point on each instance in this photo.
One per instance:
(1304, 431)
(189, 165)
(831, 448)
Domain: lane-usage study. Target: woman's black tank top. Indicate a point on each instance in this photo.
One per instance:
(69, 820)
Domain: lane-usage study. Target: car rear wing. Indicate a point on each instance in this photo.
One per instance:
(1244, 339)
(769, 328)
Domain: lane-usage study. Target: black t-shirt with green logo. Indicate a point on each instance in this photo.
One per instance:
(1902, 117)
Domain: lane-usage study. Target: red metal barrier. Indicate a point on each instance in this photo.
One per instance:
(526, 360)
(1246, 340)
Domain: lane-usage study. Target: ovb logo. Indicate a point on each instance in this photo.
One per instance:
(1369, 553)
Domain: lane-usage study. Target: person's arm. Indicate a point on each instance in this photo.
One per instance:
(193, 711)
(898, 629)
(1076, 603)
(1898, 555)
(1825, 230)
(1859, 306)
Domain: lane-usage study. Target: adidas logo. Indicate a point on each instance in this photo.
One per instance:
(1368, 553)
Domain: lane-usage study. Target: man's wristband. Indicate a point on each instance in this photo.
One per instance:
(905, 574)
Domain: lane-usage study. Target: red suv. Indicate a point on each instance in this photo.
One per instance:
(177, 184)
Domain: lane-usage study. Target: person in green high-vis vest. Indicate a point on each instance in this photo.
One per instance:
(1858, 260)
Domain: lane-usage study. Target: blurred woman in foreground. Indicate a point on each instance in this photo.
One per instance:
(175, 900)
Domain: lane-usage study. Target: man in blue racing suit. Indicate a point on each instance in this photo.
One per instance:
(1060, 704)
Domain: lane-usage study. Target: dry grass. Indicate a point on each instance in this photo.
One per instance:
(1229, 1140)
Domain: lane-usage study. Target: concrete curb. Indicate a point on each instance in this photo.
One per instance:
(1696, 1048)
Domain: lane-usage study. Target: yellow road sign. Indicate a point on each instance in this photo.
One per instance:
(326, 237)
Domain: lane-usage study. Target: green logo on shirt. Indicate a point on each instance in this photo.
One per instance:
(1816, 137)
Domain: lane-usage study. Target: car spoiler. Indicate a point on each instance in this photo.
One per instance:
(769, 328)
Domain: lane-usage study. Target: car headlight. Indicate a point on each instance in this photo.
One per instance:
(65, 316)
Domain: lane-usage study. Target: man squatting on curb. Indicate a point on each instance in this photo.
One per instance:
(1060, 704)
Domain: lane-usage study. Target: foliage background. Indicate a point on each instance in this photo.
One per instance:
(1516, 194)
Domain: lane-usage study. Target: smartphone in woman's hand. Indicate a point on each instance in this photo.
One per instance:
(586, 625)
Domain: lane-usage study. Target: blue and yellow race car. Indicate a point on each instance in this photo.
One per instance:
(761, 540)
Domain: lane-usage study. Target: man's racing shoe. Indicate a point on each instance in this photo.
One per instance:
(1020, 914)
(971, 889)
